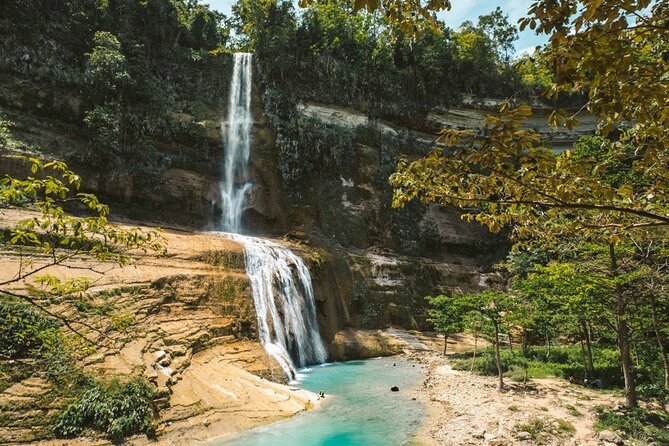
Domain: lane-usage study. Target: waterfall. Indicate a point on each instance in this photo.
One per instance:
(281, 284)
(237, 140)
(285, 306)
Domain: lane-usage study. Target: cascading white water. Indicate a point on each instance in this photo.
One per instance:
(285, 306)
(237, 140)
(281, 284)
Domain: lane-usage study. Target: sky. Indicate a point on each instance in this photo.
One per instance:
(462, 10)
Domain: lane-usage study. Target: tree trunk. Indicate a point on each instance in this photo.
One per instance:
(548, 346)
(500, 384)
(445, 342)
(588, 345)
(587, 349)
(525, 343)
(471, 369)
(623, 334)
(510, 340)
(660, 342)
(585, 357)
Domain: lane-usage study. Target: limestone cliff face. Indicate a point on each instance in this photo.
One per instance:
(376, 264)
(373, 265)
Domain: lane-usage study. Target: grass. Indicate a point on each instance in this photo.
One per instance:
(573, 411)
(644, 425)
(543, 430)
(537, 363)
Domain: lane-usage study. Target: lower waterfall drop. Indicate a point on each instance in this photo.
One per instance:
(285, 305)
(281, 284)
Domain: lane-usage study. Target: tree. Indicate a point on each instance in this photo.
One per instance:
(106, 66)
(496, 308)
(569, 296)
(446, 315)
(409, 16)
(474, 323)
(504, 177)
(56, 238)
(496, 27)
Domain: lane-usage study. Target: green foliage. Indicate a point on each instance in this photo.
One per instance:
(534, 71)
(31, 342)
(644, 425)
(106, 66)
(104, 125)
(562, 361)
(616, 161)
(500, 32)
(547, 196)
(5, 135)
(446, 314)
(329, 54)
(125, 67)
(309, 147)
(121, 321)
(56, 232)
(62, 239)
(408, 17)
(24, 331)
(117, 409)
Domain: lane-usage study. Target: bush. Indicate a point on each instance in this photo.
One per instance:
(564, 362)
(639, 424)
(117, 409)
(654, 391)
(24, 331)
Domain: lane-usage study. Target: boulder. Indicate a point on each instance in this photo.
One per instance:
(610, 437)
(523, 435)
(394, 389)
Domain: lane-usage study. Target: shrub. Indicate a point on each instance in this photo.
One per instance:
(117, 409)
(24, 331)
(639, 424)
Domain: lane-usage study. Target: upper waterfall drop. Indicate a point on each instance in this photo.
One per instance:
(283, 295)
(237, 140)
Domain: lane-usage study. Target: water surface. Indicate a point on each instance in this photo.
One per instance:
(358, 410)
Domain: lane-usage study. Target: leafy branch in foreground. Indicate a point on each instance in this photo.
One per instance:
(55, 237)
(503, 175)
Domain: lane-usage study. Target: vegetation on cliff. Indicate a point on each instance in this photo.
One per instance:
(125, 72)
